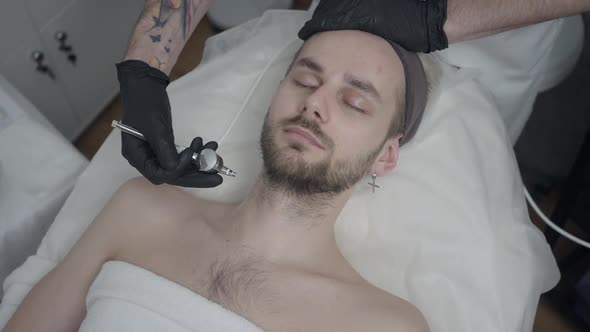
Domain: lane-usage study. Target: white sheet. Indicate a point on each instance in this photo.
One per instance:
(448, 230)
(39, 170)
(128, 298)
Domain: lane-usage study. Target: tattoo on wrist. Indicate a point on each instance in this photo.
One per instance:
(157, 63)
(176, 16)
(186, 8)
(158, 23)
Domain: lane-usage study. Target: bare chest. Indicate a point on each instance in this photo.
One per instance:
(230, 276)
(234, 277)
(273, 299)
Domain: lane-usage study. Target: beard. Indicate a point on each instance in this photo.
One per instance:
(293, 175)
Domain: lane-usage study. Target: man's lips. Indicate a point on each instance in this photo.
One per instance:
(303, 134)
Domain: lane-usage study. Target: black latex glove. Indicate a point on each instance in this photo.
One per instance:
(416, 25)
(146, 108)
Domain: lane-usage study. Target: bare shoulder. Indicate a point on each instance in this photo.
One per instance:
(361, 306)
(401, 317)
(165, 203)
(146, 213)
(138, 210)
(161, 203)
(164, 198)
(391, 313)
(139, 190)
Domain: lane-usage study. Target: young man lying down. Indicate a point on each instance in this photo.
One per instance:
(336, 120)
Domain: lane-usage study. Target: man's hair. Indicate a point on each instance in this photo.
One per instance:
(399, 115)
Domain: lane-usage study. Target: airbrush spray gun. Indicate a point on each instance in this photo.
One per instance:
(207, 161)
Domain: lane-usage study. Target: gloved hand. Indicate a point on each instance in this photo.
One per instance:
(416, 25)
(146, 108)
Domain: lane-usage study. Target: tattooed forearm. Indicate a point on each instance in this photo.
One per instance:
(163, 29)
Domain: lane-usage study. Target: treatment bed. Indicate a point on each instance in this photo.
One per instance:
(448, 230)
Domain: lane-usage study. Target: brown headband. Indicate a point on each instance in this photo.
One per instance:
(416, 91)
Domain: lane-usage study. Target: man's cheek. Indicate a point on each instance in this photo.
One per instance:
(291, 95)
(281, 112)
(279, 102)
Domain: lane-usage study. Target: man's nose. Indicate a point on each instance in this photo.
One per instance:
(316, 104)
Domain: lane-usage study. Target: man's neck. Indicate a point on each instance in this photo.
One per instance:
(286, 228)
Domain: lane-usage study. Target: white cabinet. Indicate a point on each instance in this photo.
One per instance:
(45, 93)
(15, 26)
(96, 31)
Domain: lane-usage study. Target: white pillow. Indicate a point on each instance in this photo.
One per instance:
(448, 230)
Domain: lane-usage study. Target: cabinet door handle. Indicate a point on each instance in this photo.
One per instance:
(61, 37)
(38, 57)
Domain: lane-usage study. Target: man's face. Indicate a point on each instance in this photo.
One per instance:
(327, 124)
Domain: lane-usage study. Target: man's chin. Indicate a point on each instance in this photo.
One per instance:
(302, 154)
(293, 161)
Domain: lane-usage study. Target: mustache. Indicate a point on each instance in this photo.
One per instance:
(310, 125)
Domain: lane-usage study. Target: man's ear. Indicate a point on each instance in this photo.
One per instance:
(387, 159)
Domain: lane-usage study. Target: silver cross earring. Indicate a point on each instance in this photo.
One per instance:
(374, 177)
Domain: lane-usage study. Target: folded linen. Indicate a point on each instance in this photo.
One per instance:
(125, 297)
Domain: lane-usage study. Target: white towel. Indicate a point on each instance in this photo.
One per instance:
(125, 297)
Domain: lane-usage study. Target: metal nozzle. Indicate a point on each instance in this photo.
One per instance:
(229, 172)
(209, 161)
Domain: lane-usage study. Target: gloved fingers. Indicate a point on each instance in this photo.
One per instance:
(333, 15)
(154, 172)
(211, 145)
(196, 145)
(196, 179)
(129, 145)
(138, 152)
(184, 164)
(140, 155)
(147, 164)
(416, 25)
(164, 149)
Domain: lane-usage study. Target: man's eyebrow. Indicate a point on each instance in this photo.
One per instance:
(309, 63)
(364, 86)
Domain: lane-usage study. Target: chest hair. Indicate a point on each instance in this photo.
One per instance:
(241, 284)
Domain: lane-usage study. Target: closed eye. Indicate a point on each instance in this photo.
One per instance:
(355, 108)
(301, 85)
